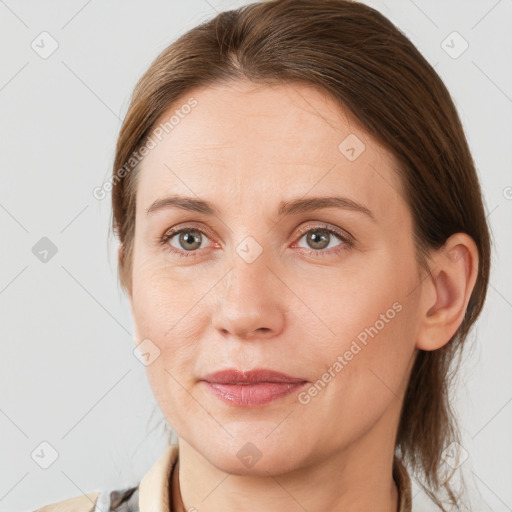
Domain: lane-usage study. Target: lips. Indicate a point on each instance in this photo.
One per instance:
(251, 388)
(233, 376)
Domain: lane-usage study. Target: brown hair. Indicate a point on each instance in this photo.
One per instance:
(358, 57)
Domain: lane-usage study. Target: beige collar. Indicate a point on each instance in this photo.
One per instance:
(154, 487)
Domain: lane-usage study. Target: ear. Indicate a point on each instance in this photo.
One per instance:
(446, 292)
(120, 256)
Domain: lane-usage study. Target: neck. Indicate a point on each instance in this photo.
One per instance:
(354, 479)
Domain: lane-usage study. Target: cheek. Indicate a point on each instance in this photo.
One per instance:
(160, 299)
(154, 311)
(368, 347)
(366, 374)
(169, 310)
(163, 314)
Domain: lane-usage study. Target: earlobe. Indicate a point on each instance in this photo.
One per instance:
(446, 292)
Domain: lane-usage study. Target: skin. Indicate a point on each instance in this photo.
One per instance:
(245, 148)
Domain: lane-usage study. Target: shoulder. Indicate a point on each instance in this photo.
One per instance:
(124, 500)
(83, 503)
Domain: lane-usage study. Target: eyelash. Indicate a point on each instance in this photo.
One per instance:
(344, 237)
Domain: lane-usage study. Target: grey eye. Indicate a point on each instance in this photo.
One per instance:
(319, 238)
(188, 239)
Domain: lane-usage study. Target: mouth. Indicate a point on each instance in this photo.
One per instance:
(251, 388)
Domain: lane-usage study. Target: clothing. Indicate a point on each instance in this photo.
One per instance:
(152, 493)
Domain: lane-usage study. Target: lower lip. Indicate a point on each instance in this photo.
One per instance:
(251, 395)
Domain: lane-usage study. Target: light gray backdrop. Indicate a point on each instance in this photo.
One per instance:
(68, 376)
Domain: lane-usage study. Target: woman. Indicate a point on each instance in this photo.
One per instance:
(304, 246)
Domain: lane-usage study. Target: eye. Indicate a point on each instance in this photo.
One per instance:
(187, 239)
(319, 238)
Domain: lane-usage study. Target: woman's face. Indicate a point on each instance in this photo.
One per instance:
(270, 279)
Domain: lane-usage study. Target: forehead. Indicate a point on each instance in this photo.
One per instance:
(245, 141)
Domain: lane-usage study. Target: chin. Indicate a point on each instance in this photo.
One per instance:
(270, 464)
(256, 455)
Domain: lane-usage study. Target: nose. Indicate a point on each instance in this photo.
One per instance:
(249, 302)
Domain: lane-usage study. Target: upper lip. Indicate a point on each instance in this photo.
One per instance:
(233, 376)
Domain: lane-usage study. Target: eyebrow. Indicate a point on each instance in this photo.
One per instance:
(290, 207)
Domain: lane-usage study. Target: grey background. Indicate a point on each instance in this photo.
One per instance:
(68, 375)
